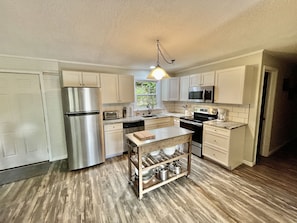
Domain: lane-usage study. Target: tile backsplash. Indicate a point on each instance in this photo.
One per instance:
(115, 107)
(236, 113)
(136, 112)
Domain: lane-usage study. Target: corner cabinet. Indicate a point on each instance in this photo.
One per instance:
(80, 79)
(233, 86)
(117, 88)
(224, 146)
(170, 89)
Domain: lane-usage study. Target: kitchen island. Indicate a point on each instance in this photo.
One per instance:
(140, 156)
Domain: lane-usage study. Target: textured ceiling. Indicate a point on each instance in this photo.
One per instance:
(122, 33)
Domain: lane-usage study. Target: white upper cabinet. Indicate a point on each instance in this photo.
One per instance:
(233, 86)
(117, 88)
(80, 79)
(170, 89)
(195, 80)
(109, 88)
(184, 83)
(126, 88)
(202, 79)
(91, 79)
(208, 78)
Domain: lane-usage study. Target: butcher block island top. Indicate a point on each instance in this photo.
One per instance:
(149, 159)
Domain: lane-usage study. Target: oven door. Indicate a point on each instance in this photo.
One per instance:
(196, 137)
(196, 127)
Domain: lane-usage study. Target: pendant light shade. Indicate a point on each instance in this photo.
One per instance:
(158, 72)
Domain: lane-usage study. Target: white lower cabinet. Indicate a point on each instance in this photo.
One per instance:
(223, 145)
(176, 121)
(113, 137)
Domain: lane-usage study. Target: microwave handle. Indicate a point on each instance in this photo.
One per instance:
(203, 95)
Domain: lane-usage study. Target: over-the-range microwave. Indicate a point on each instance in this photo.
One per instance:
(201, 94)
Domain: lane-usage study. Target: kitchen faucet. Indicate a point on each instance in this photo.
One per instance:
(149, 108)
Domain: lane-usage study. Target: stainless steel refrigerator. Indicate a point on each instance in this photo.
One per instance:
(82, 120)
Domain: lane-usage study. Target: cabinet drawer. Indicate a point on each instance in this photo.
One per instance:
(111, 127)
(217, 130)
(216, 155)
(216, 140)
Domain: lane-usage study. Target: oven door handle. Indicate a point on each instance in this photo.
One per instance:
(192, 123)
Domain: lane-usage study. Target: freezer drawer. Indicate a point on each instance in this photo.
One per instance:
(83, 141)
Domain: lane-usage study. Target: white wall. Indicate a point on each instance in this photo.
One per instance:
(27, 64)
(284, 123)
(56, 133)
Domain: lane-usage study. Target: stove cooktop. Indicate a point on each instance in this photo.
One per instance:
(198, 119)
(202, 116)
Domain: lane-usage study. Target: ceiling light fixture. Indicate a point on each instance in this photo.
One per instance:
(158, 72)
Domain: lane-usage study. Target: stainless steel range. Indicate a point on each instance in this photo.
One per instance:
(195, 123)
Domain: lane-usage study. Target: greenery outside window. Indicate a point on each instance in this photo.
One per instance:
(146, 93)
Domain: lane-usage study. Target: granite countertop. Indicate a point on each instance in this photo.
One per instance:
(160, 134)
(139, 118)
(225, 125)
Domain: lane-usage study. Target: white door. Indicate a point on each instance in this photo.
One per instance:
(22, 127)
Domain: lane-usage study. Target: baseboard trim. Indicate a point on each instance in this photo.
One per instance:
(281, 146)
(62, 157)
(248, 163)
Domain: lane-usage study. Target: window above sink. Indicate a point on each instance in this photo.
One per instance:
(147, 93)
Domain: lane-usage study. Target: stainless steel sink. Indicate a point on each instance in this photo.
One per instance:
(149, 116)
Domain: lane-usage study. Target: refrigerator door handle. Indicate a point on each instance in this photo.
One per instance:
(82, 113)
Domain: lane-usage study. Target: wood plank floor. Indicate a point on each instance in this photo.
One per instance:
(264, 193)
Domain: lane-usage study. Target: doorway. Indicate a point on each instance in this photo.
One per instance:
(266, 110)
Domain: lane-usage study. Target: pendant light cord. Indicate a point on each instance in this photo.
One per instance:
(160, 52)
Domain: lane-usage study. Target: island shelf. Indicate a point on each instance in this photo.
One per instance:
(139, 157)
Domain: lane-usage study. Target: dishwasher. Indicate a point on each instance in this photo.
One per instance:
(130, 127)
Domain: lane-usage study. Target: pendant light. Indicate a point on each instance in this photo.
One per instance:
(158, 72)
